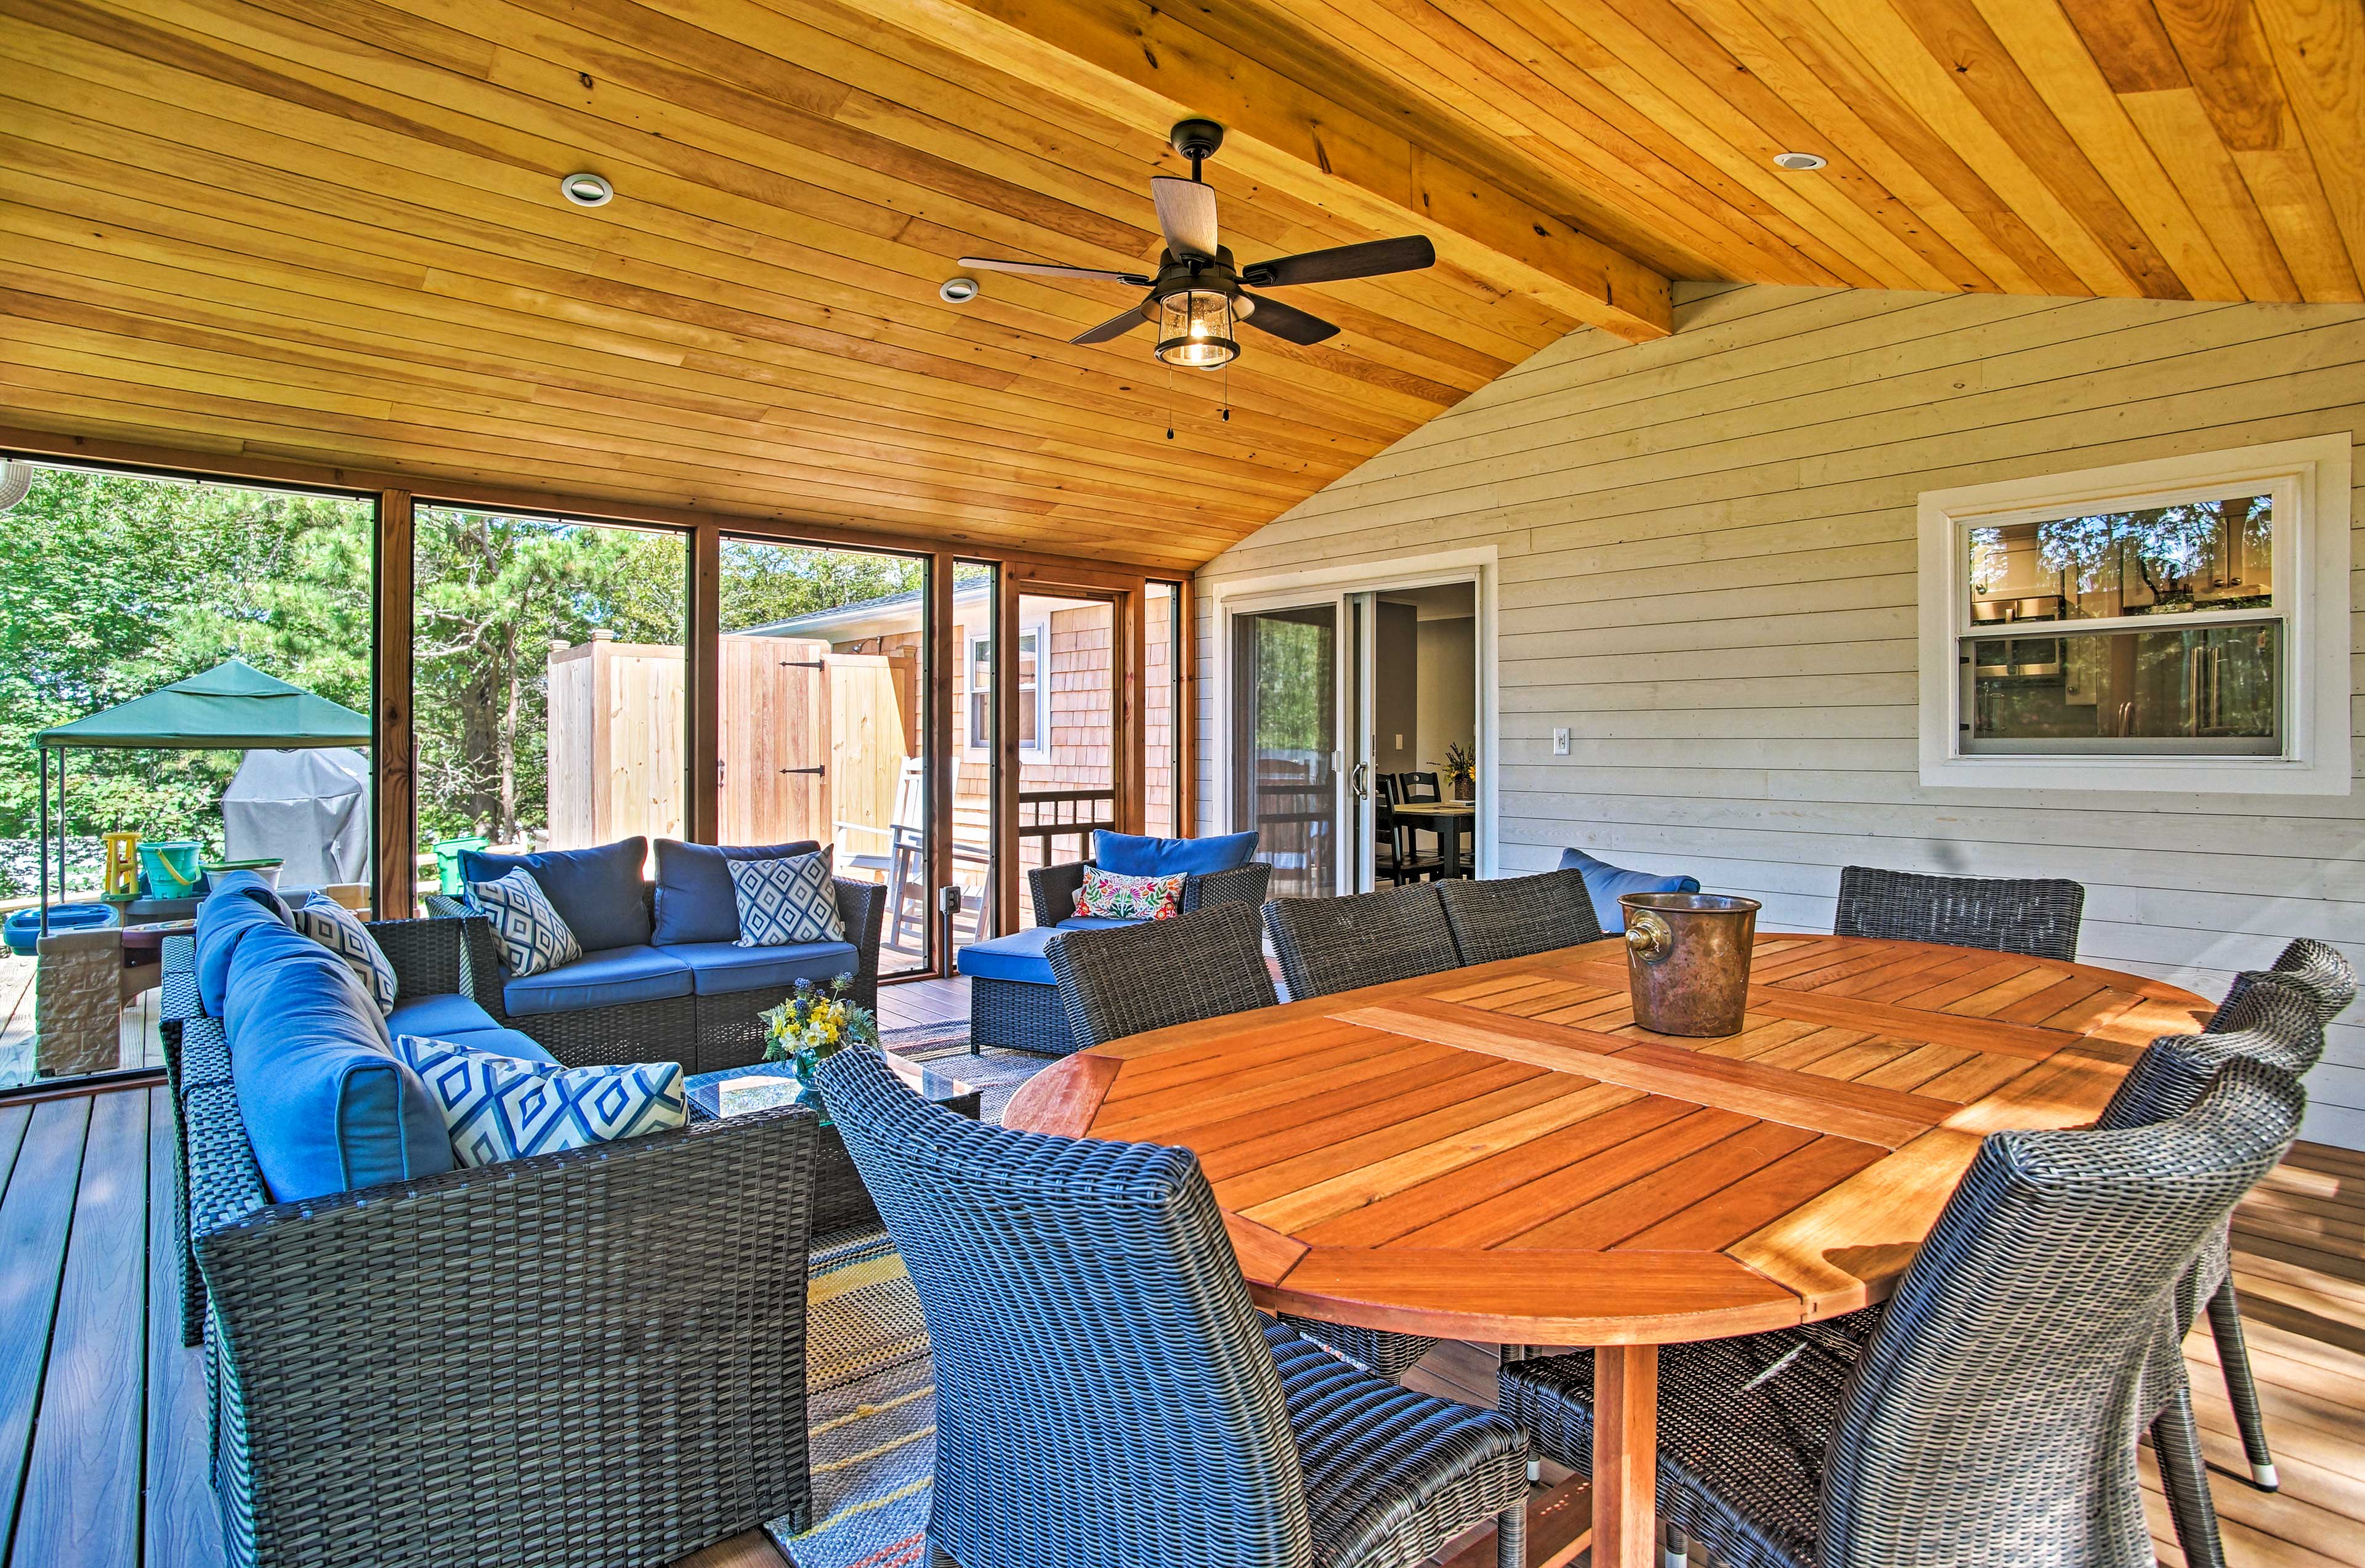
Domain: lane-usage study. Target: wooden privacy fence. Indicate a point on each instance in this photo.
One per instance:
(813, 741)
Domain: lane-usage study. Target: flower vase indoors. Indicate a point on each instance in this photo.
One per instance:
(1460, 770)
(815, 1021)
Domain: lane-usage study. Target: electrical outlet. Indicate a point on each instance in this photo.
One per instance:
(1560, 742)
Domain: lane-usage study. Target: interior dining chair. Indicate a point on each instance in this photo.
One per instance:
(1992, 1416)
(1106, 1395)
(1129, 979)
(2033, 915)
(2277, 1018)
(1517, 917)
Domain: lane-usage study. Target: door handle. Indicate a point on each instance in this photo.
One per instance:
(1360, 780)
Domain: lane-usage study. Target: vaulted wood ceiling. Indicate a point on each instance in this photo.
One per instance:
(329, 231)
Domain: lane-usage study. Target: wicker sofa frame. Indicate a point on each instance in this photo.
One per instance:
(578, 1359)
(1023, 1016)
(702, 1033)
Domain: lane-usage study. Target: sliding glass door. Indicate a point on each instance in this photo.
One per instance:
(1286, 744)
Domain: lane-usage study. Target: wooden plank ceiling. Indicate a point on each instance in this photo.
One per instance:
(329, 231)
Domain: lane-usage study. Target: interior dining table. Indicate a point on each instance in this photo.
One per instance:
(1449, 820)
(1501, 1154)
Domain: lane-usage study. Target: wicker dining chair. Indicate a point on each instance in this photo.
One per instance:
(1517, 917)
(2318, 967)
(1993, 1414)
(2277, 1020)
(1327, 945)
(2034, 915)
(1129, 979)
(1106, 1393)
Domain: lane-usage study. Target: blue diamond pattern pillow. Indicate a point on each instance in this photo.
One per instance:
(338, 929)
(786, 901)
(499, 1107)
(531, 936)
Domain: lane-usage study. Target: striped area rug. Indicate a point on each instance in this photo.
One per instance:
(871, 1403)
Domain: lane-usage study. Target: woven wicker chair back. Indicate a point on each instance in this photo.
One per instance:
(2272, 1021)
(1103, 1390)
(1134, 979)
(2319, 969)
(2035, 915)
(2001, 1399)
(1328, 945)
(1517, 917)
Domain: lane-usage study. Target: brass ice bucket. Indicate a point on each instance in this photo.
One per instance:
(1688, 961)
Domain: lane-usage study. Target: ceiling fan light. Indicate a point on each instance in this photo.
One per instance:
(1195, 330)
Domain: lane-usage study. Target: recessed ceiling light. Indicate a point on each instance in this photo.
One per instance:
(586, 190)
(957, 290)
(1801, 161)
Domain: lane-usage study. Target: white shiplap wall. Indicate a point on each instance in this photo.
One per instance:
(1706, 561)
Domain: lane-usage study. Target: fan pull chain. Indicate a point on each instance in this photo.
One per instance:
(1170, 402)
(1227, 391)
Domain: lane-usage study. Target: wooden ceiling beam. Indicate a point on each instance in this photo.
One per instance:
(1290, 135)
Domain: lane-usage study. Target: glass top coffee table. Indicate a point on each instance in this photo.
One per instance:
(839, 1198)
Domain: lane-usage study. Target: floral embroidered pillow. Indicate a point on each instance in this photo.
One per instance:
(1108, 896)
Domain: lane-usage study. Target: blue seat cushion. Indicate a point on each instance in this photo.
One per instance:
(1604, 883)
(717, 969)
(1094, 922)
(225, 921)
(1017, 957)
(597, 892)
(694, 897)
(327, 1105)
(608, 978)
(1131, 854)
(458, 1019)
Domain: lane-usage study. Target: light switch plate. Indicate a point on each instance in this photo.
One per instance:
(1560, 742)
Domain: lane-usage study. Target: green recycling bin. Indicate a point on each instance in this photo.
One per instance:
(447, 863)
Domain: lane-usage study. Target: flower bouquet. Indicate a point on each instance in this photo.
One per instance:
(815, 1021)
(1460, 769)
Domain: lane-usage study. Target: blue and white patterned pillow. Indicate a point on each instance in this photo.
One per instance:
(531, 936)
(499, 1107)
(338, 929)
(784, 901)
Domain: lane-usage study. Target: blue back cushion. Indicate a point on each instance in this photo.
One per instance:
(243, 902)
(327, 1108)
(1131, 854)
(1604, 883)
(597, 892)
(695, 899)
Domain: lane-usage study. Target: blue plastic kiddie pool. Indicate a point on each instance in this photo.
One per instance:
(24, 927)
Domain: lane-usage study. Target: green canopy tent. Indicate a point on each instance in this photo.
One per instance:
(231, 707)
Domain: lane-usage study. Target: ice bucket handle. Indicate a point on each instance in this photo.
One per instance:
(1649, 938)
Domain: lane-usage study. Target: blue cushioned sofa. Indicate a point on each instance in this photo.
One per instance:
(1012, 997)
(594, 1356)
(662, 977)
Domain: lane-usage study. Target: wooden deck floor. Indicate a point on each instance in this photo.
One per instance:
(102, 1420)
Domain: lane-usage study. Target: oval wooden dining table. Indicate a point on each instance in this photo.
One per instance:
(1499, 1153)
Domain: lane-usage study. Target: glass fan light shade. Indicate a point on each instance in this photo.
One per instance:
(1195, 330)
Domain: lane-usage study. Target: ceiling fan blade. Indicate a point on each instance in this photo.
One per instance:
(1186, 214)
(1288, 321)
(1115, 327)
(1047, 268)
(1371, 259)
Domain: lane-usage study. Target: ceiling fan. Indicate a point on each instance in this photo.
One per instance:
(1199, 292)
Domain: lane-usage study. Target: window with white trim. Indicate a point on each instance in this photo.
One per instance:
(1033, 692)
(2175, 625)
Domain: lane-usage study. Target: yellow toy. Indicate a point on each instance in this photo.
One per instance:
(122, 865)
